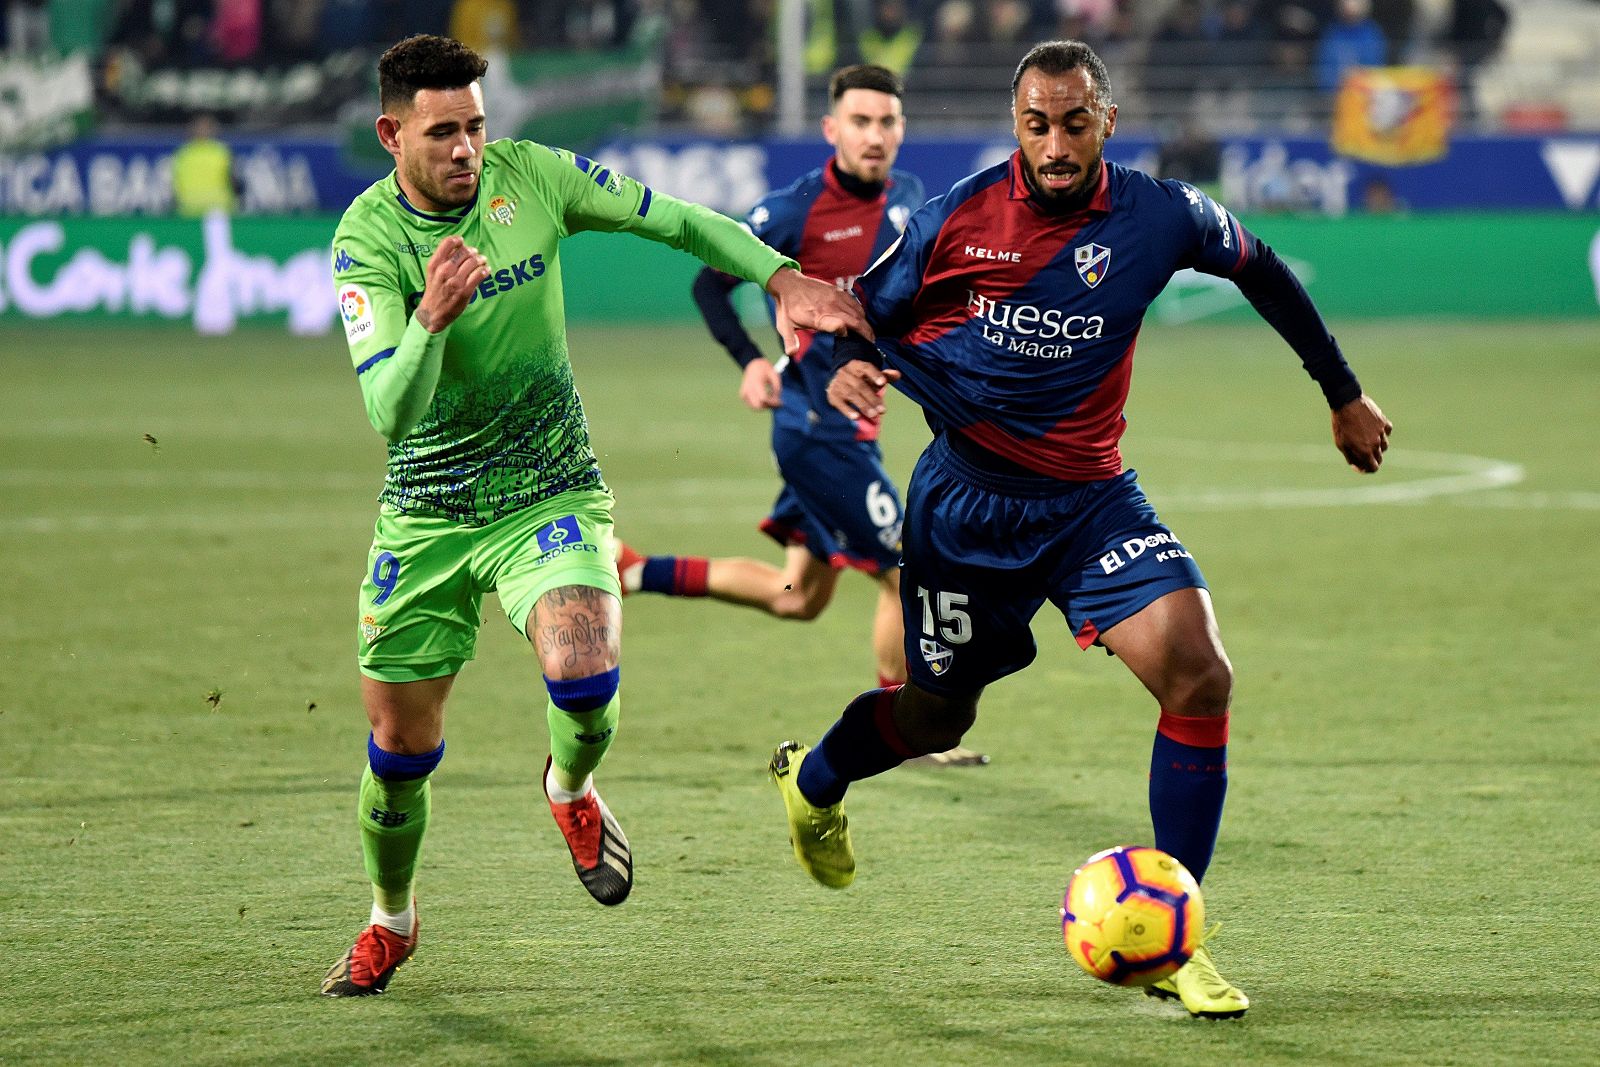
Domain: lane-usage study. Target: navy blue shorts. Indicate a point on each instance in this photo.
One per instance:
(837, 501)
(984, 551)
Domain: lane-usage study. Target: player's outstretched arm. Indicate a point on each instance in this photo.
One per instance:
(812, 304)
(1362, 433)
(713, 296)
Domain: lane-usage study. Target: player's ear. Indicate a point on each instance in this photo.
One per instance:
(830, 129)
(388, 128)
(1111, 120)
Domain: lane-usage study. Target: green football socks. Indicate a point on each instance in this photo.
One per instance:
(393, 817)
(579, 740)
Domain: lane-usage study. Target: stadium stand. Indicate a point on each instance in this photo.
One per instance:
(1231, 66)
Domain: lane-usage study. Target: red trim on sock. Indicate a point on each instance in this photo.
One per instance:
(883, 719)
(1197, 731)
(689, 575)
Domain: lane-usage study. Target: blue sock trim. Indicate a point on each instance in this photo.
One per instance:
(398, 767)
(657, 575)
(575, 695)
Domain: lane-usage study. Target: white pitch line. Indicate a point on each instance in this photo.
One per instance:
(1532, 500)
(1460, 473)
(1462, 481)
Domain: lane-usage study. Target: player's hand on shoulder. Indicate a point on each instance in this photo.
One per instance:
(454, 270)
(1361, 433)
(762, 385)
(856, 389)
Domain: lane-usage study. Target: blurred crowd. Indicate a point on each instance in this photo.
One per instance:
(1270, 61)
(231, 33)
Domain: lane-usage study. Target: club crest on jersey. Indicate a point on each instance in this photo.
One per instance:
(502, 210)
(1093, 261)
(936, 656)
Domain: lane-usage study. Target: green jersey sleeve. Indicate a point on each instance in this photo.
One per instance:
(397, 361)
(593, 197)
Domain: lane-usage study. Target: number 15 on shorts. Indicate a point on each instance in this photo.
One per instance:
(943, 618)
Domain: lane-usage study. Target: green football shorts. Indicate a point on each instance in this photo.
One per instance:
(421, 602)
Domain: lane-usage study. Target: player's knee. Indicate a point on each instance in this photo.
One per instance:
(934, 722)
(1206, 688)
(563, 662)
(578, 695)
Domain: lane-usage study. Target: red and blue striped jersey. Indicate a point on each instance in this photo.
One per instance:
(1016, 327)
(835, 234)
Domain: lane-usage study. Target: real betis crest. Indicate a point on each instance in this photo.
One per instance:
(502, 210)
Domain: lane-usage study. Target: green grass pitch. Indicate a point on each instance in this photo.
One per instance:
(1407, 872)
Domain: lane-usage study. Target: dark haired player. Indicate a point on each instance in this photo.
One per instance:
(838, 507)
(1008, 311)
(449, 281)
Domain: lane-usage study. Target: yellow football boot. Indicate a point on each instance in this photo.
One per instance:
(1202, 990)
(820, 836)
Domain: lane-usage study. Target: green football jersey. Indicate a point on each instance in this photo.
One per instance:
(483, 418)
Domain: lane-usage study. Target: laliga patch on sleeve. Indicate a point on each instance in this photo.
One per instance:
(355, 308)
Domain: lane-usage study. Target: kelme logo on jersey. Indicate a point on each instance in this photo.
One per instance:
(1093, 261)
(502, 210)
(342, 261)
(935, 655)
(899, 215)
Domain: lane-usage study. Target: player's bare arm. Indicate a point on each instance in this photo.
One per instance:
(856, 389)
(761, 388)
(1362, 433)
(454, 271)
(812, 304)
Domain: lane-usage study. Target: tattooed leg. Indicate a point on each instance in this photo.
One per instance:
(577, 632)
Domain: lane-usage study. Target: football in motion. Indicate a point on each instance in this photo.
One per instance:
(1132, 915)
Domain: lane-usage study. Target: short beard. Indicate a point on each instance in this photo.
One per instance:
(440, 196)
(1065, 198)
